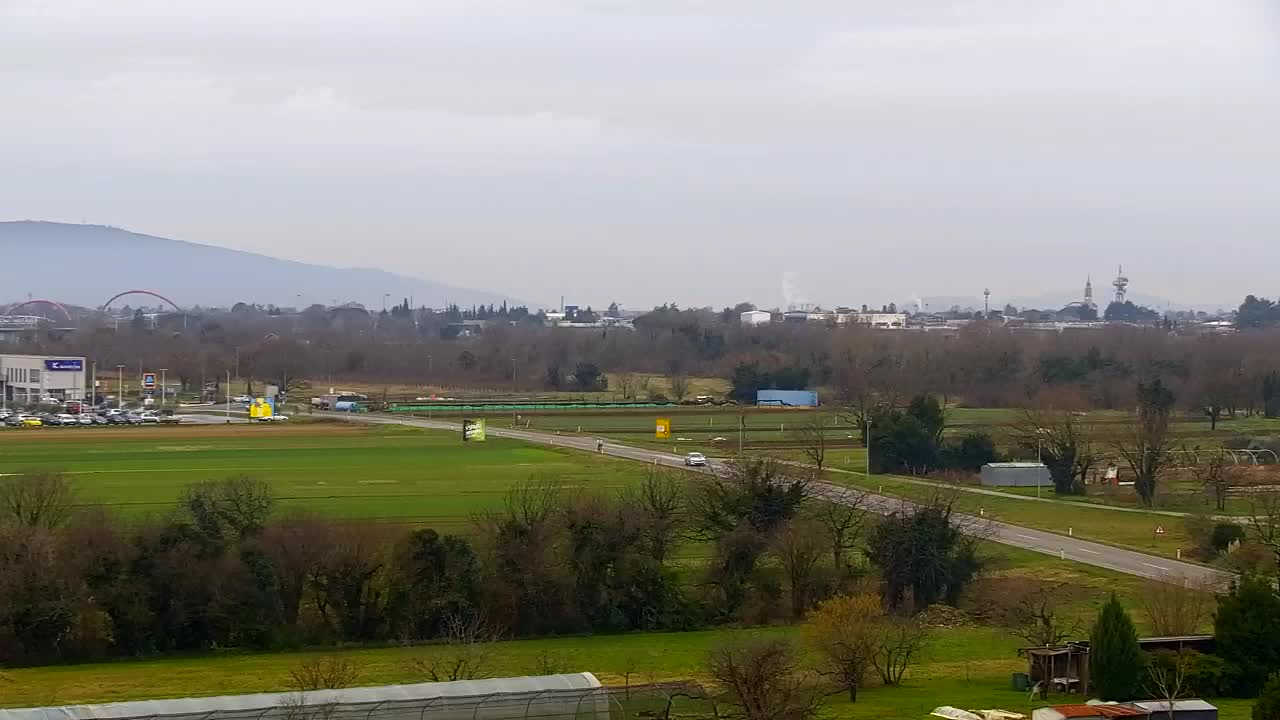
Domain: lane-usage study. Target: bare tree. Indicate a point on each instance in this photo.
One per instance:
(901, 640)
(845, 631)
(1038, 621)
(467, 652)
(1039, 624)
(844, 521)
(800, 546)
(296, 544)
(1167, 677)
(678, 384)
(325, 673)
(1264, 521)
(1175, 605)
(812, 438)
(658, 500)
(37, 499)
(1216, 477)
(1062, 443)
(762, 680)
(1145, 443)
(626, 383)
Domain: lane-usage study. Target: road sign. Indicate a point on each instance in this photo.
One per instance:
(148, 381)
(662, 429)
(262, 408)
(473, 430)
(1159, 529)
(64, 365)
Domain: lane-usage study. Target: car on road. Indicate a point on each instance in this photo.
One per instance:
(242, 399)
(695, 459)
(273, 418)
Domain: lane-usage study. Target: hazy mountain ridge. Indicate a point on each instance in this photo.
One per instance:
(87, 264)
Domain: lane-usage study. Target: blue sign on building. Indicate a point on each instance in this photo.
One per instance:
(56, 365)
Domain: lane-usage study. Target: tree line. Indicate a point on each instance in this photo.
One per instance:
(228, 567)
(984, 364)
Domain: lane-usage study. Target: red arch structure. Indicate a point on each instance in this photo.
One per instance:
(51, 303)
(117, 296)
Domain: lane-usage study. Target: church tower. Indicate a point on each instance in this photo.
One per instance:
(1088, 292)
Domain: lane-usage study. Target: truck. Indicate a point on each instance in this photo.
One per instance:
(330, 401)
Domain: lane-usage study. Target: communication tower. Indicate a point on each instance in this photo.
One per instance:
(1121, 284)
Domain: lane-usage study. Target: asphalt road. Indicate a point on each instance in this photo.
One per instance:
(1059, 546)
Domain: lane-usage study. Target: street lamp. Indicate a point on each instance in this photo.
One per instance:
(867, 422)
(162, 385)
(119, 387)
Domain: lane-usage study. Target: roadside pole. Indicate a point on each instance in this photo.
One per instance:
(228, 397)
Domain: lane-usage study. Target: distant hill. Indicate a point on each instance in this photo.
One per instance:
(87, 264)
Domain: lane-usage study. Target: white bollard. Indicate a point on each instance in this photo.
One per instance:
(1179, 553)
(1063, 553)
(982, 512)
(1071, 532)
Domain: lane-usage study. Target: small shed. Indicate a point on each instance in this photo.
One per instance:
(1188, 709)
(1016, 474)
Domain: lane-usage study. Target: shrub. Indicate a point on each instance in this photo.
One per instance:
(1267, 706)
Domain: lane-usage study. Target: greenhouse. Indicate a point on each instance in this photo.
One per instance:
(577, 696)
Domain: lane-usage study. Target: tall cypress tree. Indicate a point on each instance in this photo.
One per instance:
(1115, 660)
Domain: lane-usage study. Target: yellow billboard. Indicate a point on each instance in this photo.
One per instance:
(662, 430)
(261, 408)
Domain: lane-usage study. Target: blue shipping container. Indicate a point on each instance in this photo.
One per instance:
(787, 398)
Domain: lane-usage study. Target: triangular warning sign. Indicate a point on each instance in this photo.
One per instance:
(1159, 529)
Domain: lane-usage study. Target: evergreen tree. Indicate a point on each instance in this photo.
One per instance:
(1267, 706)
(1247, 629)
(1115, 660)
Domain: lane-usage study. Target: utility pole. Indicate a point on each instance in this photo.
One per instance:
(742, 428)
(228, 389)
(162, 390)
(867, 422)
(119, 387)
(93, 383)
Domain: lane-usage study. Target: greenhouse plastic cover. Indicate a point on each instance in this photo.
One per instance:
(545, 696)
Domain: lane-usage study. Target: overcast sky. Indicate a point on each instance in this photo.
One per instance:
(645, 151)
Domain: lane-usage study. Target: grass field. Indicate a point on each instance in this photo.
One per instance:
(964, 666)
(397, 474)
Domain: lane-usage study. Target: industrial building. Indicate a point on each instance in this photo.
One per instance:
(32, 378)
(1016, 474)
(756, 317)
(577, 696)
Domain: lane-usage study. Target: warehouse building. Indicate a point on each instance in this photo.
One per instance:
(31, 378)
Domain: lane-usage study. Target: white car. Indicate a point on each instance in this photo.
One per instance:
(149, 417)
(273, 418)
(695, 459)
(65, 419)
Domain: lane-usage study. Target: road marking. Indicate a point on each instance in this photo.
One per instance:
(1086, 550)
(1028, 537)
(1158, 567)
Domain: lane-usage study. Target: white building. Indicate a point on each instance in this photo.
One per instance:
(755, 317)
(878, 320)
(30, 378)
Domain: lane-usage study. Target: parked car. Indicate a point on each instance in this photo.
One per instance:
(31, 421)
(13, 421)
(695, 459)
(133, 419)
(68, 419)
(118, 419)
(273, 418)
(84, 419)
(147, 416)
(98, 420)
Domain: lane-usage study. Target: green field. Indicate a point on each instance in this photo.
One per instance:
(397, 474)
